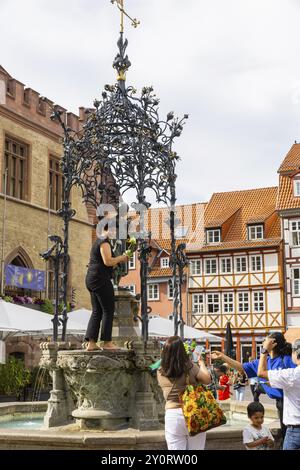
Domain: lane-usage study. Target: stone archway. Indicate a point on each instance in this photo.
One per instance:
(19, 257)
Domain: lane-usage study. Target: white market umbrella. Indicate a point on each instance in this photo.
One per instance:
(18, 320)
(77, 322)
(14, 317)
(158, 326)
(78, 319)
(162, 327)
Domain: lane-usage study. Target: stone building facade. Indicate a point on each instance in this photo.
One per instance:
(30, 150)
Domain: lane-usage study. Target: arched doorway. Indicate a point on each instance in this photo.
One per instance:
(19, 257)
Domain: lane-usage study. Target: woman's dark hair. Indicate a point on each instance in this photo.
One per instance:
(174, 360)
(223, 369)
(282, 348)
(100, 217)
(255, 407)
(106, 226)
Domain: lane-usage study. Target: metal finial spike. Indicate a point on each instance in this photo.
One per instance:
(120, 5)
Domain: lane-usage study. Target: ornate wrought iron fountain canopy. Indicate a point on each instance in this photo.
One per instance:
(124, 145)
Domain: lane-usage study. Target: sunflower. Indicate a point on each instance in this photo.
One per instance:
(204, 414)
(204, 427)
(192, 425)
(194, 395)
(220, 413)
(209, 395)
(189, 409)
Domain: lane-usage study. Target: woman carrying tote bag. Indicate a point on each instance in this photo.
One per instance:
(172, 378)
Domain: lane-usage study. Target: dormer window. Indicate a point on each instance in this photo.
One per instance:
(297, 187)
(255, 232)
(213, 236)
(164, 262)
(181, 232)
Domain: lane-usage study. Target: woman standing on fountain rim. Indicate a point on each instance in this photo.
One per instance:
(99, 284)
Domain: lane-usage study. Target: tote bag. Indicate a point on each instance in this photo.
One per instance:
(200, 409)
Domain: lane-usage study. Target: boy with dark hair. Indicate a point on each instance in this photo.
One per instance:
(255, 435)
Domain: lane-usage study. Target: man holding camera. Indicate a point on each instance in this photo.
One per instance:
(289, 381)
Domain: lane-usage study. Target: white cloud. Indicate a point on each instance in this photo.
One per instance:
(233, 66)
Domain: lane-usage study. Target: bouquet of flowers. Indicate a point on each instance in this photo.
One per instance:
(190, 346)
(132, 247)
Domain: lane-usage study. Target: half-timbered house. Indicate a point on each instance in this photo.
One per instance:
(288, 206)
(236, 276)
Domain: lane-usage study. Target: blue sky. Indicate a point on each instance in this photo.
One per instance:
(232, 66)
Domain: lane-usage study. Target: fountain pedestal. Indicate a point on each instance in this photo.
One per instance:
(103, 389)
(125, 328)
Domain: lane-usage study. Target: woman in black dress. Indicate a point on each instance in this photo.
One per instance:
(98, 282)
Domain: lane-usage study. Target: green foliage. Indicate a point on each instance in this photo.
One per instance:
(61, 306)
(7, 298)
(47, 307)
(190, 346)
(13, 377)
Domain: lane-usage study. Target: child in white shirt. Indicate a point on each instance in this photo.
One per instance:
(255, 435)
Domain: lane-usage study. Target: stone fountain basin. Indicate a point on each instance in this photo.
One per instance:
(103, 390)
(71, 437)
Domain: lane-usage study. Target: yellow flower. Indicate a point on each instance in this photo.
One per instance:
(209, 397)
(193, 425)
(189, 409)
(194, 395)
(204, 427)
(204, 414)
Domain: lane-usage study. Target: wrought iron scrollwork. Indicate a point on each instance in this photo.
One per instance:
(124, 145)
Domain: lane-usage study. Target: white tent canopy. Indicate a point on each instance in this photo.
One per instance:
(162, 327)
(79, 317)
(14, 317)
(158, 326)
(16, 320)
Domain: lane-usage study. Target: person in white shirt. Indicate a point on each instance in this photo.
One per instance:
(255, 435)
(289, 381)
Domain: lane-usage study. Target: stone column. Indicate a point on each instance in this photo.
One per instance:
(59, 404)
(145, 413)
(125, 328)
